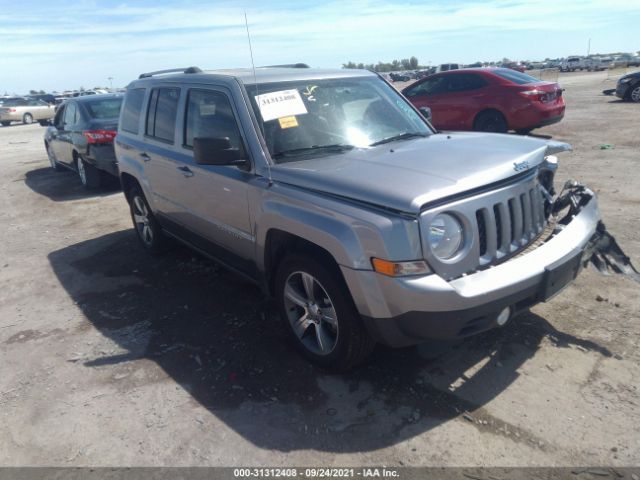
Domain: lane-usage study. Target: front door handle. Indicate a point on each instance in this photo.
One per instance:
(145, 156)
(186, 171)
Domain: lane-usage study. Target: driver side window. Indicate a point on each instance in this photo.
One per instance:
(209, 115)
(430, 86)
(57, 121)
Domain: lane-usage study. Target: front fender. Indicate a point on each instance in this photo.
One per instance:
(350, 232)
(329, 233)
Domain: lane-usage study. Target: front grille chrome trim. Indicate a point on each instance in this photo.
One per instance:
(501, 223)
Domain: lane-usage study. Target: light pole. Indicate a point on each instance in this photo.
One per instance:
(589, 47)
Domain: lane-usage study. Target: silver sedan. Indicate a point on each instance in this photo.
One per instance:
(25, 110)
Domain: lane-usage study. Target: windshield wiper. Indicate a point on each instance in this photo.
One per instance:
(337, 147)
(400, 136)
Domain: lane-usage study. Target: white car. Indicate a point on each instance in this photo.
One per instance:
(571, 64)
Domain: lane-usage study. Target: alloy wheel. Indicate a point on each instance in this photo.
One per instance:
(82, 172)
(635, 94)
(311, 313)
(142, 220)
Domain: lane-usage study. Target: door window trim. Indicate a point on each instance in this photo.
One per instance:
(151, 102)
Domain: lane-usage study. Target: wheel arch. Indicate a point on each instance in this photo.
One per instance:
(490, 110)
(279, 243)
(128, 181)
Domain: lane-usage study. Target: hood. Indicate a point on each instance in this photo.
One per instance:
(406, 175)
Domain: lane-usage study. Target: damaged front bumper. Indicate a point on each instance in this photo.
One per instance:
(404, 311)
(602, 250)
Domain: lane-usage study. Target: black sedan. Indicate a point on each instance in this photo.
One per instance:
(628, 87)
(81, 137)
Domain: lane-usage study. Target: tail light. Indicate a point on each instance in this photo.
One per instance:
(99, 136)
(12, 110)
(540, 95)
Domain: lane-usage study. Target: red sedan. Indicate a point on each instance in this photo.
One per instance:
(488, 100)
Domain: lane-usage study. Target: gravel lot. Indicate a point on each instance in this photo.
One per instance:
(111, 357)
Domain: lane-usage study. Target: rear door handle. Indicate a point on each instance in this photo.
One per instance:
(145, 156)
(186, 171)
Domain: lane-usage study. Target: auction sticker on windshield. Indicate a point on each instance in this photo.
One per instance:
(284, 103)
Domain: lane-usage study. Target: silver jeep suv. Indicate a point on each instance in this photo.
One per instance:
(333, 193)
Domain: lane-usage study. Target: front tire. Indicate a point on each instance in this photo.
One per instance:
(89, 175)
(319, 314)
(147, 228)
(490, 121)
(27, 119)
(634, 94)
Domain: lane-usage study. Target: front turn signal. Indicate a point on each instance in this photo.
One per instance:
(400, 269)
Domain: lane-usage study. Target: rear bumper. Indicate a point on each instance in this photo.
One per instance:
(10, 117)
(103, 157)
(537, 116)
(405, 311)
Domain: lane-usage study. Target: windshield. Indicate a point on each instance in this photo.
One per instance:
(313, 117)
(104, 108)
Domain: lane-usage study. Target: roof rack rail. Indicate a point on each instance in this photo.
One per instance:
(288, 65)
(171, 70)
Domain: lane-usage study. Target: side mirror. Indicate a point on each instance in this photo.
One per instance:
(217, 151)
(426, 112)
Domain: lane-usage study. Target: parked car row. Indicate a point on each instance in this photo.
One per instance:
(332, 192)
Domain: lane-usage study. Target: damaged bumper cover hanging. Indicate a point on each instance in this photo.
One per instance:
(602, 250)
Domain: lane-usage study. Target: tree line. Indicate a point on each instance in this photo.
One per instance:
(396, 65)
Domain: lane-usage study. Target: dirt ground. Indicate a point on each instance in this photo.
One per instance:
(111, 357)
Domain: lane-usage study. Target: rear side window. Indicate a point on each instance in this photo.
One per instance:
(516, 77)
(162, 112)
(209, 115)
(465, 81)
(131, 110)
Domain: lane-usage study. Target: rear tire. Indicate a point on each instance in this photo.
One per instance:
(490, 121)
(148, 230)
(634, 94)
(27, 119)
(319, 314)
(89, 175)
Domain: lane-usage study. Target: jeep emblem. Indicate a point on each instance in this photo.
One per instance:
(519, 166)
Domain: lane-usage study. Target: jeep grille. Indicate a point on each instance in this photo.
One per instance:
(498, 225)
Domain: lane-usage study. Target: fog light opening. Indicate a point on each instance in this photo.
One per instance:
(503, 316)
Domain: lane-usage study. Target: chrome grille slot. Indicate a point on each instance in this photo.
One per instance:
(508, 226)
